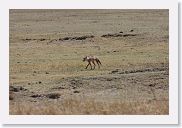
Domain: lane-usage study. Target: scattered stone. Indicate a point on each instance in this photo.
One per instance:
(53, 96)
(76, 91)
(152, 85)
(160, 87)
(112, 35)
(117, 35)
(33, 101)
(74, 87)
(109, 79)
(114, 71)
(27, 39)
(65, 38)
(42, 39)
(76, 38)
(126, 72)
(36, 95)
(21, 88)
(126, 35)
(59, 87)
(83, 37)
(131, 30)
(17, 88)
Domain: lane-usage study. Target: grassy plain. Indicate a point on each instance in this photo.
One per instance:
(47, 75)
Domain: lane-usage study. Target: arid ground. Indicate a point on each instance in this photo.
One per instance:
(48, 76)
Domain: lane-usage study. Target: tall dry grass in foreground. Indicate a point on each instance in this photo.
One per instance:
(90, 107)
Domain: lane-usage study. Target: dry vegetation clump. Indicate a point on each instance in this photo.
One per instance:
(90, 107)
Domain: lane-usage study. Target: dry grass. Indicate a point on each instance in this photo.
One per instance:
(79, 107)
(35, 57)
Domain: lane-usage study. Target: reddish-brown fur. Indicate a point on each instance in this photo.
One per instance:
(92, 59)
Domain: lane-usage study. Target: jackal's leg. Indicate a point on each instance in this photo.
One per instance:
(94, 64)
(90, 66)
(87, 65)
(98, 64)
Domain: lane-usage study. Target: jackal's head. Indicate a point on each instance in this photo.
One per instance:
(85, 58)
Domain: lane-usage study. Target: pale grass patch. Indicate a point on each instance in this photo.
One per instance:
(90, 107)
